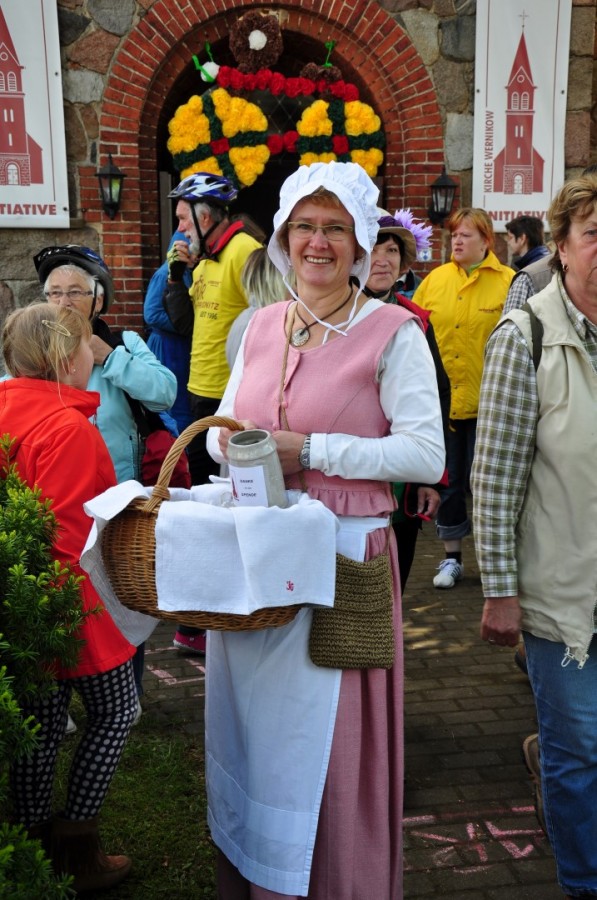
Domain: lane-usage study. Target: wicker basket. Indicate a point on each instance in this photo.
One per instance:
(128, 551)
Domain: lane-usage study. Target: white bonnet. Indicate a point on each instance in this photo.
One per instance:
(355, 190)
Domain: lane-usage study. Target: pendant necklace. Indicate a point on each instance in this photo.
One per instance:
(301, 335)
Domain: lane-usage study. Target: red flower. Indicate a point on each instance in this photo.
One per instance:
(250, 82)
(340, 144)
(237, 80)
(275, 144)
(224, 75)
(290, 138)
(220, 146)
(308, 86)
(293, 87)
(263, 78)
(337, 89)
(277, 83)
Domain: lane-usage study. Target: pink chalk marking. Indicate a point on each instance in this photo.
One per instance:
(442, 857)
(442, 838)
(172, 680)
(517, 852)
(509, 832)
(419, 820)
(162, 675)
(474, 845)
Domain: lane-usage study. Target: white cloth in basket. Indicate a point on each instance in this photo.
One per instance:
(222, 559)
(240, 559)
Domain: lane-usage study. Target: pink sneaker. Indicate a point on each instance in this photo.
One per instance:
(194, 643)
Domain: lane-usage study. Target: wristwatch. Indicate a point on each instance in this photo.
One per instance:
(305, 454)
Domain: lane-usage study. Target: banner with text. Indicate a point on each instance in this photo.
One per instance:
(33, 180)
(521, 80)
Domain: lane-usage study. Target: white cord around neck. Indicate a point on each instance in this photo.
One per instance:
(328, 327)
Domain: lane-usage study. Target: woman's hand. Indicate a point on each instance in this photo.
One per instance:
(101, 350)
(225, 434)
(289, 444)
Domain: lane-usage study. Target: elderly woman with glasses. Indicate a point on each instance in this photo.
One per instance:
(77, 277)
(305, 763)
(124, 367)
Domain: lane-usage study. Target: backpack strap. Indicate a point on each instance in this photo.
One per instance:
(536, 334)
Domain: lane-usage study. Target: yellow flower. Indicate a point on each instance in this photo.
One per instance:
(188, 127)
(248, 116)
(221, 100)
(314, 120)
(237, 115)
(370, 160)
(360, 118)
(205, 165)
(249, 162)
(307, 158)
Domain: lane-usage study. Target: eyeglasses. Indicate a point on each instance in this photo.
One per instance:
(333, 232)
(73, 295)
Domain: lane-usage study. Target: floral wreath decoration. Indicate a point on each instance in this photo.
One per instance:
(224, 132)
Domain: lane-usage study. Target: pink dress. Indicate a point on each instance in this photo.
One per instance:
(333, 389)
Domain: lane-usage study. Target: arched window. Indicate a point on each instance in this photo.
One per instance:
(2, 82)
(525, 101)
(12, 174)
(515, 100)
(12, 81)
(518, 184)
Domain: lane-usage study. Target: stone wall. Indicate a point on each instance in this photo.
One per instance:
(95, 40)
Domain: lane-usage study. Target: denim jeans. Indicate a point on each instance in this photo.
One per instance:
(566, 702)
(453, 522)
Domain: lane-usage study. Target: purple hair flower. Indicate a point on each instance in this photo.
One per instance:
(421, 233)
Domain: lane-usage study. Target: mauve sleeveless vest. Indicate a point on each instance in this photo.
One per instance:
(327, 389)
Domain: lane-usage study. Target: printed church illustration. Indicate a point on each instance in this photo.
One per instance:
(20, 155)
(518, 167)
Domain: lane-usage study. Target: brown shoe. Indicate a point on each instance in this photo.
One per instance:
(77, 851)
(530, 751)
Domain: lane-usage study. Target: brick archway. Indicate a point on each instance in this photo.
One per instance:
(158, 50)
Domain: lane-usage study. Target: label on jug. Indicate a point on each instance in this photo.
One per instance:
(248, 485)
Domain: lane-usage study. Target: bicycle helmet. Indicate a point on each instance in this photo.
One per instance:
(75, 255)
(205, 187)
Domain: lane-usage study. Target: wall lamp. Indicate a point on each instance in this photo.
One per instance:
(110, 186)
(443, 191)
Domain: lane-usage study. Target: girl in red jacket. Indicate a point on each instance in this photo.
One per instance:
(45, 408)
